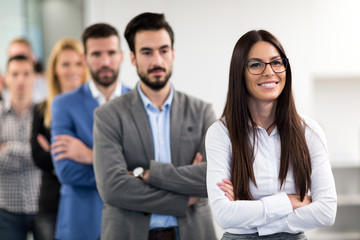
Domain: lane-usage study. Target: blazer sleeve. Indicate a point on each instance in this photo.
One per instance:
(115, 185)
(68, 171)
(41, 158)
(188, 179)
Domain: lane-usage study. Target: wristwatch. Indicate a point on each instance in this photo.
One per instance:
(138, 172)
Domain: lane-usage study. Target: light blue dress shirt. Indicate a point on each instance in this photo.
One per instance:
(160, 128)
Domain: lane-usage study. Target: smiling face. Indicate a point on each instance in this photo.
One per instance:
(153, 57)
(69, 69)
(267, 86)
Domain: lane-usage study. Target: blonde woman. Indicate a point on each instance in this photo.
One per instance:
(66, 71)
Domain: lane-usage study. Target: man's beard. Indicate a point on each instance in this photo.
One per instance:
(158, 84)
(104, 81)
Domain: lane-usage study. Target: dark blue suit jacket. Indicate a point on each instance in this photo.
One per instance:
(79, 215)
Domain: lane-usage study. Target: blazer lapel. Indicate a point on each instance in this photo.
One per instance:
(142, 123)
(90, 103)
(176, 122)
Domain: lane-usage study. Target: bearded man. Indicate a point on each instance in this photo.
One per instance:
(80, 207)
(149, 158)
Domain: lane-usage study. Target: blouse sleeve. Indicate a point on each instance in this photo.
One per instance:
(322, 210)
(243, 213)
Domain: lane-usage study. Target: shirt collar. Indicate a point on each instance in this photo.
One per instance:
(7, 106)
(148, 104)
(100, 98)
(273, 132)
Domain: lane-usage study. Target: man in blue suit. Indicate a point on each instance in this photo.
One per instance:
(79, 215)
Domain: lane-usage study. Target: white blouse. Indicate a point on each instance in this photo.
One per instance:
(271, 211)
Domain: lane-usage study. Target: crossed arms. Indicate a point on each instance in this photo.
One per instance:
(167, 191)
(280, 212)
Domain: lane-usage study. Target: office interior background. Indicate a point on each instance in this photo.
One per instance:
(320, 37)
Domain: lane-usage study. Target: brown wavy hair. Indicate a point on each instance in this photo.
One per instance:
(294, 150)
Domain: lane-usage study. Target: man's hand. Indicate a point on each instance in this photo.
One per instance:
(192, 201)
(296, 203)
(2, 146)
(146, 175)
(67, 146)
(198, 158)
(43, 142)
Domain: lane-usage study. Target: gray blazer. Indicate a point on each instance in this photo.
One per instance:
(123, 141)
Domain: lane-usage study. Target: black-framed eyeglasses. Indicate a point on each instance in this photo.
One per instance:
(257, 67)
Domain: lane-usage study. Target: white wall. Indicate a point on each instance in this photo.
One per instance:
(339, 115)
(12, 24)
(20, 18)
(321, 38)
(61, 18)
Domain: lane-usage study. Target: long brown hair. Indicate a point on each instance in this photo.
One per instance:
(236, 115)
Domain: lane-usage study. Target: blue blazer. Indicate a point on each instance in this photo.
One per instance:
(79, 214)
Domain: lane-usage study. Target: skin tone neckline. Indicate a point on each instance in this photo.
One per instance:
(263, 99)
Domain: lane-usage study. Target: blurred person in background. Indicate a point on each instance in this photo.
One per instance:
(80, 209)
(22, 46)
(19, 177)
(66, 71)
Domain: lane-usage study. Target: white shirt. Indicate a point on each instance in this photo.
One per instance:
(99, 97)
(271, 211)
(40, 89)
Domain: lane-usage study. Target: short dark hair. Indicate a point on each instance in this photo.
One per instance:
(20, 58)
(146, 21)
(98, 30)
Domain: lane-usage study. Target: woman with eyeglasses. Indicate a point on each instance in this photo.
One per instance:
(268, 172)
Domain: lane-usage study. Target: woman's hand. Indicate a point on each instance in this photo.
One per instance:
(43, 142)
(228, 188)
(67, 146)
(297, 203)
